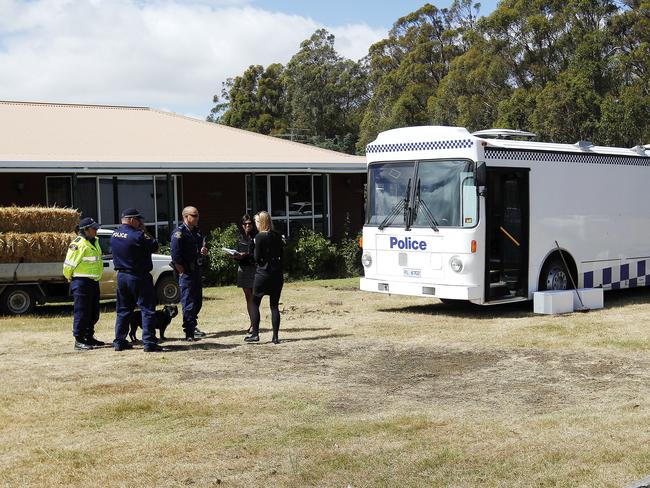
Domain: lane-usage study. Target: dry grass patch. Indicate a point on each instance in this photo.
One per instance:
(364, 390)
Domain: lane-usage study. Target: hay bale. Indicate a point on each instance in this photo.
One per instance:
(41, 247)
(38, 219)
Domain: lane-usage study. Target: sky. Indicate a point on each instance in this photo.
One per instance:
(171, 55)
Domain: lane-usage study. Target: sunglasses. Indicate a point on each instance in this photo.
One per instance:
(248, 223)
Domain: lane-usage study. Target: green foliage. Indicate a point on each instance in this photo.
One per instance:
(326, 92)
(567, 110)
(165, 249)
(319, 95)
(254, 101)
(221, 268)
(621, 116)
(349, 253)
(307, 255)
(313, 256)
(406, 68)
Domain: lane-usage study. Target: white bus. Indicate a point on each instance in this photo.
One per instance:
(460, 216)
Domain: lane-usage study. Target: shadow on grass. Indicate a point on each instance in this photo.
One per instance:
(243, 332)
(312, 338)
(211, 299)
(467, 310)
(67, 309)
(613, 299)
(629, 296)
(197, 346)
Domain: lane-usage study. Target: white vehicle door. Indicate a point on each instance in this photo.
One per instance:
(108, 283)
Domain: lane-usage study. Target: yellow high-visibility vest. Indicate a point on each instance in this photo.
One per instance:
(83, 260)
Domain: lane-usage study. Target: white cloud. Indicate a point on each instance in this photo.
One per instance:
(165, 54)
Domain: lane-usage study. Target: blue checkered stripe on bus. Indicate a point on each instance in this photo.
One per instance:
(635, 272)
(557, 157)
(420, 146)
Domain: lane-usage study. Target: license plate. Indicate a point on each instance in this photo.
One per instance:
(412, 273)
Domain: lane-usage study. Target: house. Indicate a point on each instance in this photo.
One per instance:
(102, 159)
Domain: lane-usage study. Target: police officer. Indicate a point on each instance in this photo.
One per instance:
(132, 247)
(83, 268)
(188, 249)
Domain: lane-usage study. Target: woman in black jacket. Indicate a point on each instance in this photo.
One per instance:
(268, 275)
(246, 268)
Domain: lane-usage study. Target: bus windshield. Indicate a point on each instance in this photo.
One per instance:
(446, 188)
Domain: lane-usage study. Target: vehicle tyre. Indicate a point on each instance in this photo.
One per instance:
(167, 289)
(554, 275)
(17, 300)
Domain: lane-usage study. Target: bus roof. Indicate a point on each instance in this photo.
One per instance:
(424, 138)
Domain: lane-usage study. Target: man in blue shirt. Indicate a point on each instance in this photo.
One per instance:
(188, 249)
(132, 247)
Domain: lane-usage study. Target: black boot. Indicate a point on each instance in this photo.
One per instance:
(94, 342)
(275, 339)
(81, 344)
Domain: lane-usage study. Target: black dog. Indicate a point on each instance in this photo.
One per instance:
(162, 317)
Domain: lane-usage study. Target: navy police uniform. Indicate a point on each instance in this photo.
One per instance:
(132, 249)
(186, 247)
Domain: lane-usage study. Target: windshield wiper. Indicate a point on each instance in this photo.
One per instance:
(431, 220)
(397, 208)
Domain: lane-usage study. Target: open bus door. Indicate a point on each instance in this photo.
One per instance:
(507, 213)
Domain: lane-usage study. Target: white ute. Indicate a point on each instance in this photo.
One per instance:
(23, 285)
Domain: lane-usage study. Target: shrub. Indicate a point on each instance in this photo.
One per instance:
(313, 256)
(221, 269)
(306, 255)
(349, 254)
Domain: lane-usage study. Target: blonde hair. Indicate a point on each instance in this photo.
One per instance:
(263, 221)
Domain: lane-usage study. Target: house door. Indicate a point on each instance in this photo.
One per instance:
(507, 209)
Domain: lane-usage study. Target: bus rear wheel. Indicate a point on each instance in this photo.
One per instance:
(554, 275)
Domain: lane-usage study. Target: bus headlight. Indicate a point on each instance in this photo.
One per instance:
(366, 260)
(456, 264)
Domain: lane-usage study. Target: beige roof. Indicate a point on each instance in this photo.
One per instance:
(97, 138)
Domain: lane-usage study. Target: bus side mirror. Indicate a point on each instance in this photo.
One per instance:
(481, 179)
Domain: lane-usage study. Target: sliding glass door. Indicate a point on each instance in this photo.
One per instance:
(294, 201)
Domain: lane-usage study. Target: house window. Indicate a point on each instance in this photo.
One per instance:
(104, 198)
(295, 201)
(87, 195)
(59, 191)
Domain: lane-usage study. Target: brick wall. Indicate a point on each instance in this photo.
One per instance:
(220, 197)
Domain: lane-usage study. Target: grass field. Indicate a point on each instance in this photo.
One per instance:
(365, 390)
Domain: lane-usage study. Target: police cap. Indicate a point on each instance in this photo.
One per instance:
(131, 213)
(88, 223)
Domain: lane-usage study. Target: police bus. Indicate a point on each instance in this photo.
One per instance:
(492, 217)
